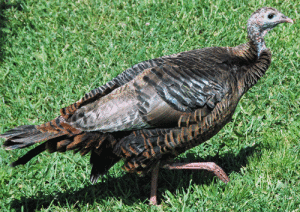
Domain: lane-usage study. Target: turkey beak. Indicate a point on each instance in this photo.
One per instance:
(286, 19)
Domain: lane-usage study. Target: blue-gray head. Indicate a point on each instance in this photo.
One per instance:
(262, 21)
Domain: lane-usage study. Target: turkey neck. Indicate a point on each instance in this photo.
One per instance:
(252, 66)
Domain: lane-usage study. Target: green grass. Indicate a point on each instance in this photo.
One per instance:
(53, 52)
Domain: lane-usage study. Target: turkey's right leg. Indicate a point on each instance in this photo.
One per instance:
(154, 178)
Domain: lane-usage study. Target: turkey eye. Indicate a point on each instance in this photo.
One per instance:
(270, 16)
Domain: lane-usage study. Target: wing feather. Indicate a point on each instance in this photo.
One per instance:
(158, 96)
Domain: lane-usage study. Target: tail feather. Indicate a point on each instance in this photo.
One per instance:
(102, 160)
(25, 136)
(58, 144)
(52, 145)
(29, 155)
(61, 146)
(86, 141)
(59, 136)
(19, 131)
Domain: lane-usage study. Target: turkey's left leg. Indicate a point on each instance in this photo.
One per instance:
(210, 166)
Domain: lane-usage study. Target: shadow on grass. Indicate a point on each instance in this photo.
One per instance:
(4, 5)
(132, 189)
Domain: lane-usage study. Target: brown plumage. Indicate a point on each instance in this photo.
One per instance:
(157, 109)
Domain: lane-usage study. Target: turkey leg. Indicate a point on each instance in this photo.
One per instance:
(210, 166)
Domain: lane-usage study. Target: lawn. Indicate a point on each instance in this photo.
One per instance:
(52, 52)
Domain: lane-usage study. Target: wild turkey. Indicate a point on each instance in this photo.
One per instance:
(157, 109)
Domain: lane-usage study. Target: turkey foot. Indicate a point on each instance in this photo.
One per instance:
(210, 166)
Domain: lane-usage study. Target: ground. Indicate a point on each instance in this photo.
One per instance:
(53, 52)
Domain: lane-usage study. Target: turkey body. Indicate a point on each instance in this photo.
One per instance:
(187, 98)
(156, 109)
(153, 111)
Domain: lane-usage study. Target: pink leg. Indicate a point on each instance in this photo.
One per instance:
(153, 199)
(210, 166)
